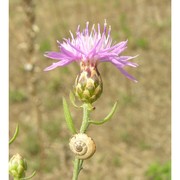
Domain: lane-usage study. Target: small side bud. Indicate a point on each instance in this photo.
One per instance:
(88, 85)
(17, 166)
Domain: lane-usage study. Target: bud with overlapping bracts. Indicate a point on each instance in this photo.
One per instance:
(88, 85)
(17, 166)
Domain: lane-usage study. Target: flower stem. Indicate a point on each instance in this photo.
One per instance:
(16, 178)
(85, 124)
(76, 169)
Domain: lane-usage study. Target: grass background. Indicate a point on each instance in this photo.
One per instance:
(135, 144)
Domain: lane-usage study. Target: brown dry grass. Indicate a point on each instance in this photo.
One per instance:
(139, 133)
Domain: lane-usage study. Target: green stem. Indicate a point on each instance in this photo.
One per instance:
(85, 124)
(76, 169)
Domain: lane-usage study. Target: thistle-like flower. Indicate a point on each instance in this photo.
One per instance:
(92, 48)
(89, 48)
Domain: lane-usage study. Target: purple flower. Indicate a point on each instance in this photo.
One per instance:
(92, 47)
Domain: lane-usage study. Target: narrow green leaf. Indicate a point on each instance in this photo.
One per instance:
(29, 177)
(15, 135)
(68, 117)
(107, 118)
(72, 99)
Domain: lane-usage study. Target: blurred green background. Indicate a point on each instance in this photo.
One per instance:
(135, 144)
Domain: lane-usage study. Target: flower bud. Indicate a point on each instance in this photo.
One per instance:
(88, 85)
(17, 166)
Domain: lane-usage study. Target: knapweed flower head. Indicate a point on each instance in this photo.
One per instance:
(88, 85)
(17, 166)
(89, 48)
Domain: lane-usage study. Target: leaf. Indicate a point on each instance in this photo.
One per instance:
(15, 135)
(68, 117)
(72, 99)
(107, 118)
(29, 177)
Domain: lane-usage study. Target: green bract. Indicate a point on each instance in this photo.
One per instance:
(17, 166)
(88, 85)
